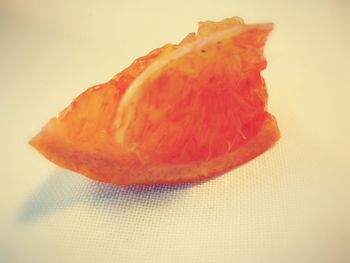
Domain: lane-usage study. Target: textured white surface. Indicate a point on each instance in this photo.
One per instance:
(289, 205)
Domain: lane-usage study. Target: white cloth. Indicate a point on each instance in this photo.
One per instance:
(291, 204)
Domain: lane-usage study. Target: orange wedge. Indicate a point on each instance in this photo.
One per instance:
(182, 113)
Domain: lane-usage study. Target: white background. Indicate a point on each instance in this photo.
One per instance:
(291, 204)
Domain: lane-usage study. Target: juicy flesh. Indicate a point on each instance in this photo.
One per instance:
(199, 101)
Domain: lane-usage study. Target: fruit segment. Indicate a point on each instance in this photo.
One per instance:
(182, 113)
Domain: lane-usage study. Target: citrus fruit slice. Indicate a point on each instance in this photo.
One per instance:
(181, 113)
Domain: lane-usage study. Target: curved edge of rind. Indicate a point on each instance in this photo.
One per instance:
(97, 166)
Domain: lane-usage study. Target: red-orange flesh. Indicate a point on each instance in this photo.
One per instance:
(171, 118)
